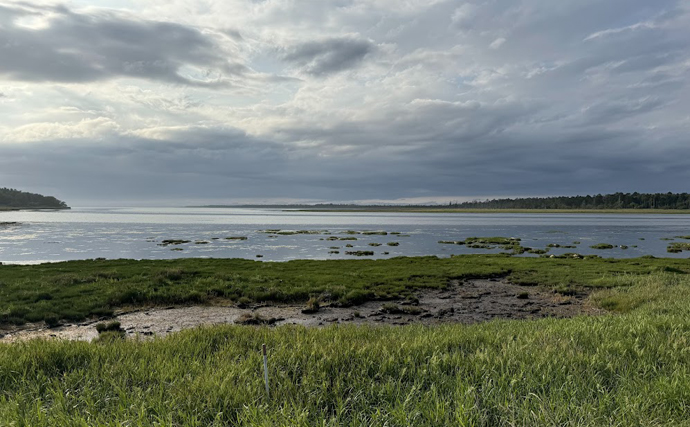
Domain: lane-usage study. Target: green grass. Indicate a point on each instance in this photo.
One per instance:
(614, 370)
(76, 290)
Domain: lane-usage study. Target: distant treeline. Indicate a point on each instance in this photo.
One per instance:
(15, 199)
(606, 201)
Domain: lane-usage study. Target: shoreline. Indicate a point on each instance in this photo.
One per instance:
(33, 209)
(505, 211)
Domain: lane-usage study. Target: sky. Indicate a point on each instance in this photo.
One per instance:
(269, 101)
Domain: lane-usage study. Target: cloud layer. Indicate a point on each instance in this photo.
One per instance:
(344, 100)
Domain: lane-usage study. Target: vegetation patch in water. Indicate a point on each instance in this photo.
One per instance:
(678, 247)
(492, 240)
(556, 245)
(602, 246)
(173, 242)
(360, 253)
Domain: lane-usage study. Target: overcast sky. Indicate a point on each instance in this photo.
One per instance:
(186, 101)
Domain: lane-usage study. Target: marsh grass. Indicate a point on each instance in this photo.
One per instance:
(313, 305)
(253, 319)
(108, 327)
(627, 369)
(76, 290)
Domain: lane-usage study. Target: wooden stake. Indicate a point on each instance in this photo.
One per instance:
(263, 349)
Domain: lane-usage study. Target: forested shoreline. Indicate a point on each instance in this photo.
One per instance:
(599, 201)
(655, 201)
(15, 199)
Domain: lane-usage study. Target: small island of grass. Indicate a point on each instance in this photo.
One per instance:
(602, 246)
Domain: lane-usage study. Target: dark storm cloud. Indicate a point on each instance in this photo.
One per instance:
(329, 56)
(87, 47)
(224, 163)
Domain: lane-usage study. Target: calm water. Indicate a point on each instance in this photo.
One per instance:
(136, 233)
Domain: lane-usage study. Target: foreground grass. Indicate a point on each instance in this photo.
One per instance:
(617, 370)
(75, 290)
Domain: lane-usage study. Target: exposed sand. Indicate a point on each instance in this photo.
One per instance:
(465, 302)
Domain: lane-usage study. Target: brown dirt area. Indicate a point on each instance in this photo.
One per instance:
(466, 302)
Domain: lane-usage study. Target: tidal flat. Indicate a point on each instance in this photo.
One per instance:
(77, 291)
(390, 339)
(141, 233)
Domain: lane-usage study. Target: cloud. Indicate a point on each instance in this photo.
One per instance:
(497, 43)
(328, 56)
(226, 163)
(388, 100)
(87, 128)
(614, 31)
(62, 45)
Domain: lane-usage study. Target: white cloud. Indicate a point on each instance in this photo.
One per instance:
(464, 14)
(88, 128)
(614, 31)
(497, 43)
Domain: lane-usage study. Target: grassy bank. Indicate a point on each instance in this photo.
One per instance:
(627, 369)
(75, 290)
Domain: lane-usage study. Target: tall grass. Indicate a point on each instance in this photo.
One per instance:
(621, 370)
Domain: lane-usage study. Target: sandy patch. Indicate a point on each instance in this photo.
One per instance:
(464, 302)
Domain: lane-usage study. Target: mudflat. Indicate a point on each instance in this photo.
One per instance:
(462, 301)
